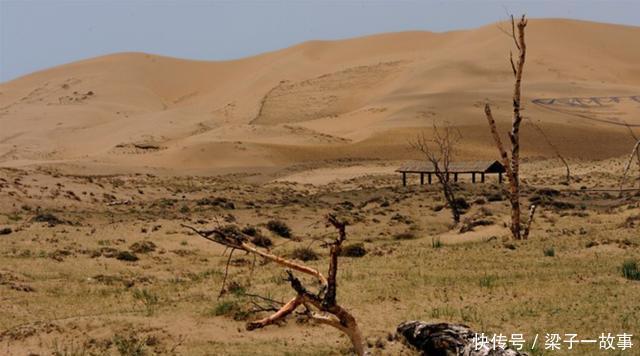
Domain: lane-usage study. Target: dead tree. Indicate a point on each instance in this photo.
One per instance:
(555, 150)
(634, 153)
(439, 151)
(512, 164)
(320, 306)
(635, 139)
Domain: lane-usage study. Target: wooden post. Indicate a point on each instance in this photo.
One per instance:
(455, 177)
(421, 178)
(500, 177)
(429, 175)
(482, 177)
(404, 179)
(473, 177)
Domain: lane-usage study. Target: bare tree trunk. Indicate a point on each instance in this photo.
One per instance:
(439, 151)
(450, 198)
(512, 165)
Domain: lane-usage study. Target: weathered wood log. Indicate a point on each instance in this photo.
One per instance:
(444, 339)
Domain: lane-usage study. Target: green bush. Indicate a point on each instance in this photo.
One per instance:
(631, 270)
(549, 251)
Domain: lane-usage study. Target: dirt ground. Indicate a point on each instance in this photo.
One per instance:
(99, 265)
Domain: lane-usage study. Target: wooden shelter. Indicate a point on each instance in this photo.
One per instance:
(473, 167)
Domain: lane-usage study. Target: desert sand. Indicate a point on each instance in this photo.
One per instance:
(360, 98)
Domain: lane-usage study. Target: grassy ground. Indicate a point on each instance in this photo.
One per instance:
(67, 288)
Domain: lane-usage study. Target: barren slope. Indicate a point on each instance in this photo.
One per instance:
(358, 98)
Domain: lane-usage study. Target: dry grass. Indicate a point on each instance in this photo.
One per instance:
(170, 294)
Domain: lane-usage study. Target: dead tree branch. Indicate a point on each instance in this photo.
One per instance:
(634, 152)
(439, 150)
(635, 138)
(555, 150)
(512, 164)
(527, 229)
(327, 309)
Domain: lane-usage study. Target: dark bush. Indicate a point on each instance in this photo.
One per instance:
(279, 228)
(304, 254)
(262, 241)
(353, 250)
(461, 204)
(407, 235)
(495, 197)
(217, 201)
(250, 230)
(631, 270)
(549, 251)
(48, 218)
(5, 231)
(126, 256)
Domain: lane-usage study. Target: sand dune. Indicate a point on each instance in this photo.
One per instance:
(356, 98)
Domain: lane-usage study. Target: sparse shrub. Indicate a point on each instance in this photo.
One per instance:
(231, 308)
(436, 243)
(631, 270)
(261, 241)
(353, 250)
(304, 254)
(487, 281)
(257, 238)
(470, 224)
(461, 204)
(129, 345)
(549, 251)
(149, 300)
(70, 349)
(225, 307)
(480, 201)
(185, 209)
(126, 256)
(631, 222)
(143, 247)
(217, 201)
(547, 199)
(407, 235)
(235, 288)
(495, 197)
(279, 228)
(250, 230)
(50, 219)
(5, 231)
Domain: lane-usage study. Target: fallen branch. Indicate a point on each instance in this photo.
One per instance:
(328, 311)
